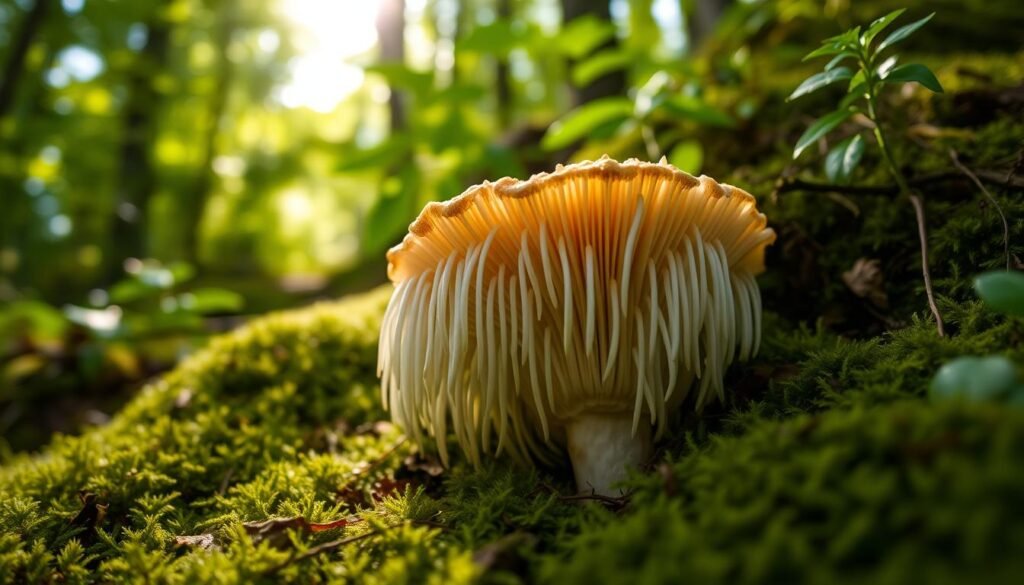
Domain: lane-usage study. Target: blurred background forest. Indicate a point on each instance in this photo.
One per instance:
(168, 167)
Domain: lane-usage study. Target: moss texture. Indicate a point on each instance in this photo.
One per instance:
(839, 470)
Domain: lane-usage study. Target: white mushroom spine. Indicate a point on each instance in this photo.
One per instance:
(638, 297)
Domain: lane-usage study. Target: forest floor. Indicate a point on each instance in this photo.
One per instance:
(267, 456)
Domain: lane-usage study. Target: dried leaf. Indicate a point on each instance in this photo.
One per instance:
(867, 281)
(275, 530)
(92, 512)
(197, 541)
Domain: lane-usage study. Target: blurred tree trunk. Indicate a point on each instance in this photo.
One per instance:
(503, 86)
(701, 19)
(18, 52)
(225, 73)
(391, 35)
(613, 83)
(137, 179)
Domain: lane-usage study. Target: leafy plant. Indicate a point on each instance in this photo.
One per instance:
(660, 98)
(992, 377)
(1003, 291)
(860, 61)
(866, 77)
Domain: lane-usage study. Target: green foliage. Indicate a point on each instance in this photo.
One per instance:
(844, 158)
(586, 119)
(864, 84)
(971, 378)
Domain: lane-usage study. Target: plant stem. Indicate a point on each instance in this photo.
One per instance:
(915, 200)
(974, 177)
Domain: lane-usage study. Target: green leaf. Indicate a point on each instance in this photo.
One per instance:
(211, 300)
(902, 33)
(399, 76)
(858, 79)
(820, 80)
(391, 213)
(496, 38)
(839, 59)
(830, 48)
(583, 35)
(382, 156)
(886, 67)
(600, 64)
(974, 378)
(914, 72)
(584, 119)
(687, 156)
(1002, 291)
(844, 158)
(853, 94)
(820, 128)
(879, 25)
(698, 110)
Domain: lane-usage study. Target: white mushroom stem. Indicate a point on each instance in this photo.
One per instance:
(603, 449)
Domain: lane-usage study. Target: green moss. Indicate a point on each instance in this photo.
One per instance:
(908, 492)
(836, 469)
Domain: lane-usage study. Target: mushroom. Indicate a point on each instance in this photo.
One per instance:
(576, 310)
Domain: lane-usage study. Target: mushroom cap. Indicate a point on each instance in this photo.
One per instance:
(603, 287)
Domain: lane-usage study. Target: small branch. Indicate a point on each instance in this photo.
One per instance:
(322, 548)
(343, 542)
(614, 503)
(922, 233)
(1006, 226)
(362, 471)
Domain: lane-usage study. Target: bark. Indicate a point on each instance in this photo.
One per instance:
(702, 20)
(613, 83)
(14, 67)
(391, 35)
(137, 176)
(196, 205)
(503, 86)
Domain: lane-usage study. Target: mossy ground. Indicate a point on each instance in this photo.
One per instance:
(828, 464)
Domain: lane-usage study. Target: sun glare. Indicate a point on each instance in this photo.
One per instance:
(330, 34)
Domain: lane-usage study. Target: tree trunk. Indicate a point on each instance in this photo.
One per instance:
(612, 83)
(503, 87)
(196, 203)
(137, 177)
(391, 35)
(702, 20)
(18, 52)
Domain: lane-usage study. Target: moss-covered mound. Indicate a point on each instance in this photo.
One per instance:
(266, 458)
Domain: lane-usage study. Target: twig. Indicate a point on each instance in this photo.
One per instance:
(360, 472)
(610, 501)
(922, 233)
(1006, 226)
(995, 177)
(321, 548)
(342, 542)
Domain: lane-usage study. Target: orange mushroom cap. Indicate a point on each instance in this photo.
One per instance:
(602, 287)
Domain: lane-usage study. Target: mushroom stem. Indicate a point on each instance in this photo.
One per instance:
(603, 447)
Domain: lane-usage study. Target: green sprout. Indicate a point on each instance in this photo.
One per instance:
(859, 60)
